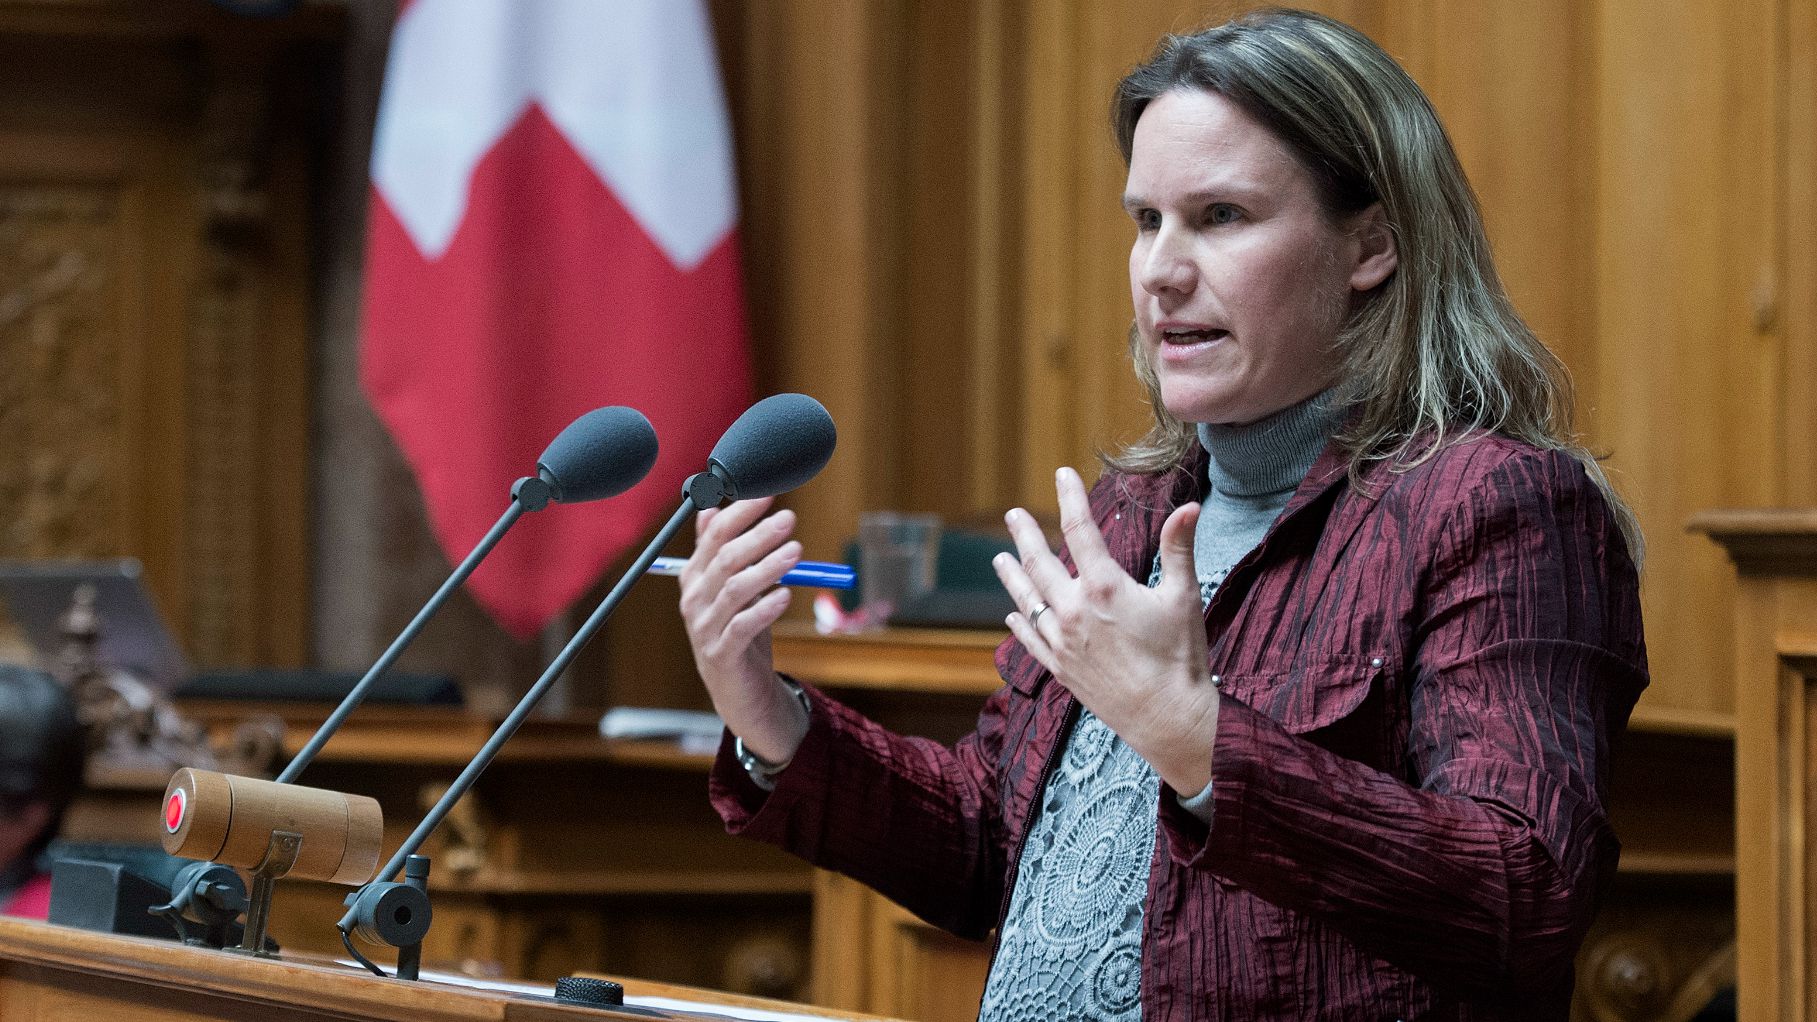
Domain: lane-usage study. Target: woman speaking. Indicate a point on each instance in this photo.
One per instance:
(1310, 718)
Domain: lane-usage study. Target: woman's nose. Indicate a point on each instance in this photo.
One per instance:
(1167, 268)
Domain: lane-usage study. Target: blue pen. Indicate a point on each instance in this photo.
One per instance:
(818, 574)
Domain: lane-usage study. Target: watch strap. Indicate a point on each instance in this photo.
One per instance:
(761, 771)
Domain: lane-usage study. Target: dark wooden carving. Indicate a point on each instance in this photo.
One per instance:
(60, 348)
(154, 371)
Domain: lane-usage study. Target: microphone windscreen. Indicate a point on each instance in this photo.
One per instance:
(776, 445)
(601, 454)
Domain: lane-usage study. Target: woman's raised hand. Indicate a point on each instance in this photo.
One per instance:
(1134, 656)
(729, 600)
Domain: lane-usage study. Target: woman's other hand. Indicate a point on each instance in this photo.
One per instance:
(1134, 656)
(729, 600)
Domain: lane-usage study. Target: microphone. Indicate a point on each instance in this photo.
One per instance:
(226, 819)
(601, 454)
(279, 828)
(271, 830)
(776, 445)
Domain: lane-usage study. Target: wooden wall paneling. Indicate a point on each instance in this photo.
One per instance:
(1079, 392)
(1514, 89)
(921, 972)
(839, 974)
(1407, 29)
(750, 944)
(1659, 951)
(221, 415)
(890, 143)
(1526, 143)
(1113, 407)
(1798, 249)
(814, 131)
(933, 276)
(1775, 669)
(1686, 377)
(187, 372)
(150, 523)
(746, 945)
(1048, 288)
(93, 325)
(286, 388)
(247, 391)
(1368, 15)
(889, 962)
(997, 215)
(930, 175)
(640, 878)
(65, 274)
(169, 248)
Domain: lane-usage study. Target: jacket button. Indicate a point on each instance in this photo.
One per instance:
(1377, 662)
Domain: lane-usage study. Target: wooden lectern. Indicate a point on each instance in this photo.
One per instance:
(1775, 555)
(56, 974)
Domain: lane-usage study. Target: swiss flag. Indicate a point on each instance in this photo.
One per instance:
(553, 228)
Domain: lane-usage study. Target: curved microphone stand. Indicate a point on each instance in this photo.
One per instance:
(601, 454)
(778, 444)
(527, 494)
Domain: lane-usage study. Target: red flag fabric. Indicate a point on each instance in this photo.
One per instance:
(552, 229)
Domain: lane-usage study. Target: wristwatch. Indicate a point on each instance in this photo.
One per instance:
(762, 772)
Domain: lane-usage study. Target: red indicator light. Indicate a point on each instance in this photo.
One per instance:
(174, 808)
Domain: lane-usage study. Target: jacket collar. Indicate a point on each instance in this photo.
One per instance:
(1186, 482)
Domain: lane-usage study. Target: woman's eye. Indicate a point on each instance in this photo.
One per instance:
(1222, 213)
(1146, 219)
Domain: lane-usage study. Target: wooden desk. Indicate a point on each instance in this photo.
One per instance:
(868, 953)
(571, 853)
(1775, 555)
(53, 973)
(926, 661)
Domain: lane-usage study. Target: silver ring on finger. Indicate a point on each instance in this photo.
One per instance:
(1034, 616)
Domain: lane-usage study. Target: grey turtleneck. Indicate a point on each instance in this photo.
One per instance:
(1071, 944)
(1253, 472)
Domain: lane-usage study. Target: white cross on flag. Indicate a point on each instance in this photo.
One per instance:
(553, 228)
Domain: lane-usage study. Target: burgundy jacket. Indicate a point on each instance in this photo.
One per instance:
(1421, 678)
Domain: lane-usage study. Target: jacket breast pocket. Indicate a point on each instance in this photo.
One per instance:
(1347, 704)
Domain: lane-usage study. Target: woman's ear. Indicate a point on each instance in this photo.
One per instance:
(1377, 255)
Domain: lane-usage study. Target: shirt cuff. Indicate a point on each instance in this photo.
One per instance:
(1199, 805)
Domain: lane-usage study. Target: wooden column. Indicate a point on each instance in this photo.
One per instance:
(1775, 555)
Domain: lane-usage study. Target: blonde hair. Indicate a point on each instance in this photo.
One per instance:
(1436, 352)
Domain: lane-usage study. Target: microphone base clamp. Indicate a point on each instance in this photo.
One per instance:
(280, 856)
(532, 493)
(708, 489)
(398, 914)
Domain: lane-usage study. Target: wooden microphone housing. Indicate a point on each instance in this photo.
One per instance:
(227, 819)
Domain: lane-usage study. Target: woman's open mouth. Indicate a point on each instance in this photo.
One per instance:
(1193, 336)
(1186, 341)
